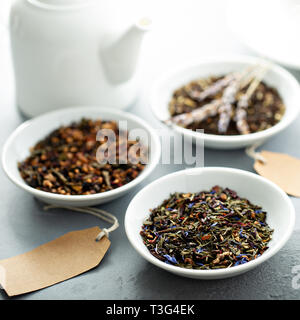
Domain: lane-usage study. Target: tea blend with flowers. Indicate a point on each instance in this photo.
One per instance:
(234, 104)
(65, 161)
(206, 230)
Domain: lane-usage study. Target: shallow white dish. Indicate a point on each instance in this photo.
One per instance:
(272, 35)
(30, 132)
(276, 77)
(260, 191)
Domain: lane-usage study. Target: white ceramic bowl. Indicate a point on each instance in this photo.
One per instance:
(276, 77)
(30, 132)
(260, 191)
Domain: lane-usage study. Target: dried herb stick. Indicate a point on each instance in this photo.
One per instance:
(243, 104)
(199, 114)
(229, 98)
(206, 230)
(226, 107)
(212, 90)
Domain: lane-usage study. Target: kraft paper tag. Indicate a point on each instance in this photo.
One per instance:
(58, 260)
(282, 169)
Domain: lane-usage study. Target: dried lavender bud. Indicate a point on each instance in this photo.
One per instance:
(265, 109)
(241, 115)
(199, 114)
(212, 90)
(226, 109)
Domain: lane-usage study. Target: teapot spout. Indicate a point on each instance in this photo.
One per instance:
(120, 58)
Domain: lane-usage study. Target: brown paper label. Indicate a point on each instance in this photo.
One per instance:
(61, 259)
(282, 169)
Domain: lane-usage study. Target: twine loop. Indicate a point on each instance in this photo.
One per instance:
(99, 213)
(250, 151)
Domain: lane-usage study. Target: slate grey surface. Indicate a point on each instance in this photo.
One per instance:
(123, 274)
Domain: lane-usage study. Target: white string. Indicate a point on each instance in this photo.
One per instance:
(102, 214)
(250, 151)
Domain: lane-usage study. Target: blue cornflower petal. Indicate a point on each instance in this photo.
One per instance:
(241, 235)
(244, 260)
(171, 259)
(226, 209)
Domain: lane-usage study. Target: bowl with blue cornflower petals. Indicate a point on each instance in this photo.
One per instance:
(209, 223)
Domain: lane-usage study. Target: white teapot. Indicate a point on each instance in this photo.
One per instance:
(74, 52)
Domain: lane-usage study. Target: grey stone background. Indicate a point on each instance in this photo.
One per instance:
(194, 29)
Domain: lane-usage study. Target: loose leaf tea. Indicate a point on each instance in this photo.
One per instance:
(206, 230)
(65, 161)
(230, 105)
